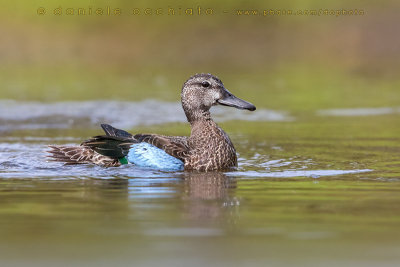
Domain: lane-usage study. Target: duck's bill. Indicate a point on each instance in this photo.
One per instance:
(232, 101)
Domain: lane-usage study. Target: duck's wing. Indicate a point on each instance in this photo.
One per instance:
(111, 131)
(111, 146)
(117, 143)
(176, 146)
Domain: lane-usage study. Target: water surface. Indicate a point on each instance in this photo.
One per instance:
(316, 190)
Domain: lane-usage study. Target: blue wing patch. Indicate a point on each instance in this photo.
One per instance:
(149, 156)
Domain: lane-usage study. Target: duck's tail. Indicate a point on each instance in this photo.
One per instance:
(71, 155)
(106, 150)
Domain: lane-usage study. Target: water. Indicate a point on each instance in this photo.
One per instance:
(311, 190)
(36, 115)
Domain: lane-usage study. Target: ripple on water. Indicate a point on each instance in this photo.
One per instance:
(28, 160)
(294, 173)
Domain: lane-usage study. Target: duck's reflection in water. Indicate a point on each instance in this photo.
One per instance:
(209, 196)
(192, 199)
(107, 198)
(107, 189)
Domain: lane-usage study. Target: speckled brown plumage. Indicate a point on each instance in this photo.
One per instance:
(72, 155)
(208, 147)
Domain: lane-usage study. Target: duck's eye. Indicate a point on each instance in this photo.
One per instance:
(205, 84)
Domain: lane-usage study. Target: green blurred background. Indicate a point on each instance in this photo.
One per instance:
(296, 63)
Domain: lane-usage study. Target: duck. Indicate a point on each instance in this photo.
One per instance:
(208, 148)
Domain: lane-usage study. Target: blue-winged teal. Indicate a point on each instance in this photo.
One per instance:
(207, 148)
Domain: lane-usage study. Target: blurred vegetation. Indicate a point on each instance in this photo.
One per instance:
(295, 63)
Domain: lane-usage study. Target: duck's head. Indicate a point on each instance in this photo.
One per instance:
(202, 91)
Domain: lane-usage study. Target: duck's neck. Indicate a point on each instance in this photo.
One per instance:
(197, 115)
(202, 116)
